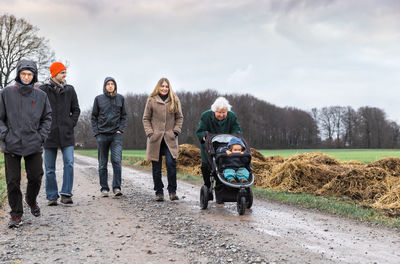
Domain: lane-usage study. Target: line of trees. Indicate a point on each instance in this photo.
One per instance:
(367, 127)
(264, 125)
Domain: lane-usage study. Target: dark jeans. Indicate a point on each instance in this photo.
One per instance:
(171, 171)
(105, 143)
(34, 174)
(205, 170)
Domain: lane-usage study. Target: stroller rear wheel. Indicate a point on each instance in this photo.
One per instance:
(204, 197)
(241, 205)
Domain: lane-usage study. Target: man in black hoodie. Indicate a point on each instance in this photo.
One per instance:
(108, 123)
(65, 114)
(25, 119)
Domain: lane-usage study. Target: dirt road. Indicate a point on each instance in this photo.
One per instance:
(136, 229)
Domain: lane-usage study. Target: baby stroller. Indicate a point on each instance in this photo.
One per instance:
(241, 193)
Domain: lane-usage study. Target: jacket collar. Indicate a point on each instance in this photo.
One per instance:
(159, 100)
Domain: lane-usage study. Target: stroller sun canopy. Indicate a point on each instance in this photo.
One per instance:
(222, 138)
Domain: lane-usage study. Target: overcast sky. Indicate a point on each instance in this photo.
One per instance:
(296, 53)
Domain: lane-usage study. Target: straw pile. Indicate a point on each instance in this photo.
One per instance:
(262, 166)
(303, 173)
(362, 184)
(189, 159)
(389, 203)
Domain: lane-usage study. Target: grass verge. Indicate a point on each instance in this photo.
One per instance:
(332, 205)
(3, 186)
(363, 155)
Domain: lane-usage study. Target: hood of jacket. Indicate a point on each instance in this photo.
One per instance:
(27, 65)
(104, 86)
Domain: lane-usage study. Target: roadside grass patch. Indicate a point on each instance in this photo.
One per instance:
(341, 206)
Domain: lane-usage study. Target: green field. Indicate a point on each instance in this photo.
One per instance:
(363, 155)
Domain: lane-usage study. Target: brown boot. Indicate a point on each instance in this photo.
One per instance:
(173, 197)
(160, 197)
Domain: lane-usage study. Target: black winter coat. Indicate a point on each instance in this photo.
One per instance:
(25, 115)
(65, 114)
(108, 113)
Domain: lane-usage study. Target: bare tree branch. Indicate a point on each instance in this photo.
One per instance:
(19, 40)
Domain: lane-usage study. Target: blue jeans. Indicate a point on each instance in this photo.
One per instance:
(50, 156)
(171, 171)
(105, 143)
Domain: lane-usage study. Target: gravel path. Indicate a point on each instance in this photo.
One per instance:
(136, 229)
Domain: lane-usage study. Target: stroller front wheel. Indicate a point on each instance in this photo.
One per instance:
(241, 205)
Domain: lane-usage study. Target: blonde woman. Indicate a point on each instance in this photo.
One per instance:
(162, 121)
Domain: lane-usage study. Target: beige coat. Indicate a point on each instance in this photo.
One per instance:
(160, 123)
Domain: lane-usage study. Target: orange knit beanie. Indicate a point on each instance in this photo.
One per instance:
(56, 67)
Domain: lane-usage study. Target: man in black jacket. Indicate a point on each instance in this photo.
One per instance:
(65, 114)
(25, 119)
(108, 124)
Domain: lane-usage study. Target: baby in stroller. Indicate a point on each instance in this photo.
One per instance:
(230, 160)
(234, 166)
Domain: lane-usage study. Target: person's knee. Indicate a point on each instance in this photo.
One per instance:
(116, 160)
(13, 183)
(35, 180)
(242, 173)
(50, 165)
(170, 163)
(102, 165)
(69, 163)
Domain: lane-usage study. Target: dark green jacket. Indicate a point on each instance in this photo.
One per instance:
(208, 123)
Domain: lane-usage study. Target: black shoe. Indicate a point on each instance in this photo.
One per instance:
(15, 221)
(66, 199)
(35, 210)
(52, 202)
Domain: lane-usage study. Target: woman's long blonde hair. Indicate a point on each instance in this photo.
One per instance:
(174, 107)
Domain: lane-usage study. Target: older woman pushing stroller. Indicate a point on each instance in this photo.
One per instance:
(219, 119)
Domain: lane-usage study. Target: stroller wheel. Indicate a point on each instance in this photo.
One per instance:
(249, 198)
(241, 205)
(204, 197)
